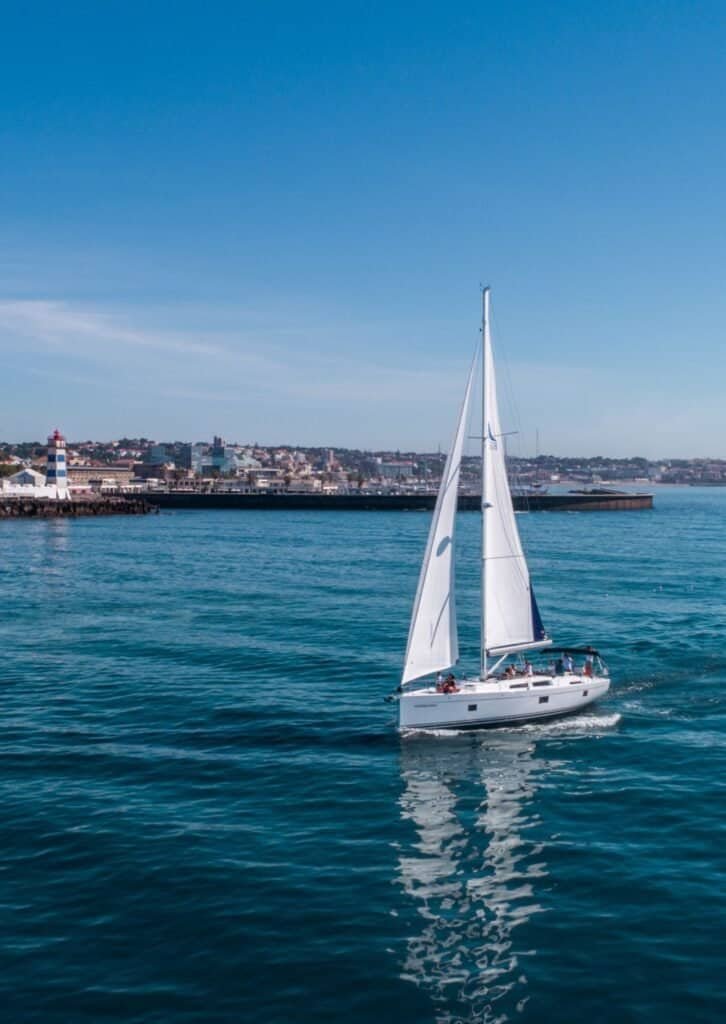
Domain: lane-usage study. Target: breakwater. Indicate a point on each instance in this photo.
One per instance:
(571, 502)
(46, 508)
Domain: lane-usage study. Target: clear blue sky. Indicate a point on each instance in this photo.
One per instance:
(271, 221)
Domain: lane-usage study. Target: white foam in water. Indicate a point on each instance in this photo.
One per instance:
(571, 725)
(642, 708)
(411, 733)
(646, 684)
(586, 723)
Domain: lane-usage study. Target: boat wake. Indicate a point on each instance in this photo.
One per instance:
(572, 725)
(411, 734)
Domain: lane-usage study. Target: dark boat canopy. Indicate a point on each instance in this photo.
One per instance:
(573, 650)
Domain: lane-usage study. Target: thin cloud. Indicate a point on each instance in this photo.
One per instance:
(298, 371)
(195, 395)
(59, 324)
(77, 331)
(248, 376)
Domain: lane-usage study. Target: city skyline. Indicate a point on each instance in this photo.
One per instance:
(278, 223)
(114, 448)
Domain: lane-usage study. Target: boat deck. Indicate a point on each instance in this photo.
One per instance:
(497, 685)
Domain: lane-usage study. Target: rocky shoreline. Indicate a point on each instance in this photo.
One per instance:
(45, 508)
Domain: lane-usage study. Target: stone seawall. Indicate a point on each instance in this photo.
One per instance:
(391, 502)
(47, 508)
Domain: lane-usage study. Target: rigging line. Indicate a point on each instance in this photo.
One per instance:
(440, 616)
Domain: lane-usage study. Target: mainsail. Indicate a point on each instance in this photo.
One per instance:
(510, 617)
(433, 642)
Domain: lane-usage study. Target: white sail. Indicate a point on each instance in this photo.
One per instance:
(510, 618)
(433, 642)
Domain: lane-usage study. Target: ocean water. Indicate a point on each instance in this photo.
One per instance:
(206, 814)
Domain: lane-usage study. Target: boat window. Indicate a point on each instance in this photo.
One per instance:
(543, 682)
(472, 707)
(585, 693)
(543, 700)
(518, 686)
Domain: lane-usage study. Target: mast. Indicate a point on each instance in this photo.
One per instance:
(484, 503)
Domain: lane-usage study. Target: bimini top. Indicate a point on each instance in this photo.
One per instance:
(574, 650)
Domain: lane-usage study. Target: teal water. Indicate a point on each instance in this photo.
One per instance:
(207, 816)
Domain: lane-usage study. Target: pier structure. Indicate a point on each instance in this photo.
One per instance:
(366, 501)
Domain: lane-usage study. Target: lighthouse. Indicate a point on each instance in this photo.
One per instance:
(56, 472)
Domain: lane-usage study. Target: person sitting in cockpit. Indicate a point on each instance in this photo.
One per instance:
(449, 685)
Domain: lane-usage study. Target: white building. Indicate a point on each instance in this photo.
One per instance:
(27, 483)
(27, 477)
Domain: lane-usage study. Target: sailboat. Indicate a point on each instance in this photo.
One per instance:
(509, 687)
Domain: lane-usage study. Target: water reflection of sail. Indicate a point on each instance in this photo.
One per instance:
(471, 871)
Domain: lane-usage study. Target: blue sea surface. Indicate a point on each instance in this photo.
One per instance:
(207, 815)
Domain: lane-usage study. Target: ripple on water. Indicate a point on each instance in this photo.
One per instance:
(207, 814)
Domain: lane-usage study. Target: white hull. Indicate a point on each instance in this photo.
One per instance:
(478, 703)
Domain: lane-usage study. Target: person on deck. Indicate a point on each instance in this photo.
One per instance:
(568, 664)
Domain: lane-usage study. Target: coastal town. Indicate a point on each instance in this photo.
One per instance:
(141, 465)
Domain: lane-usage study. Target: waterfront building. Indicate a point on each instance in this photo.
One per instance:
(26, 477)
(158, 454)
(119, 474)
(221, 458)
(265, 476)
(395, 470)
(192, 456)
(246, 463)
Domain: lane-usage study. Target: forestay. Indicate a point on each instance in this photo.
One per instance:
(433, 642)
(511, 618)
